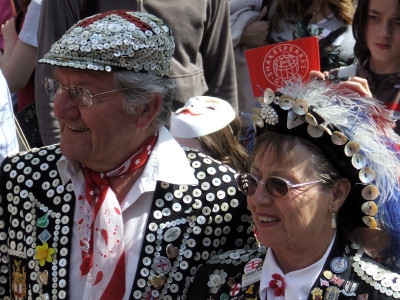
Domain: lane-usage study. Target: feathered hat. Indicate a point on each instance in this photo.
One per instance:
(356, 134)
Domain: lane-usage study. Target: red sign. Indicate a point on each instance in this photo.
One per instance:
(273, 65)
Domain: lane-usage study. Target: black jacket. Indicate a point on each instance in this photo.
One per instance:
(353, 283)
(30, 188)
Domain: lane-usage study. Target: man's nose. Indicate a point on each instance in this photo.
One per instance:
(64, 106)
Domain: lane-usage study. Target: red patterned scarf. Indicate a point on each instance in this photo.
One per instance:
(101, 231)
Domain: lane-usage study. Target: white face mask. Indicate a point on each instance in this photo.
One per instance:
(201, 116)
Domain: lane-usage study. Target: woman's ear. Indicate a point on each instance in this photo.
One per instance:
(340, 191)
(148, 112)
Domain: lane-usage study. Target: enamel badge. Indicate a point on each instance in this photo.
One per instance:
(317, 294)
(19, 281)
(332, 293)
(338, 265)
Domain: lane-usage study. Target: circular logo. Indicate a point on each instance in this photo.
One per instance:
(162, 265)
(235, 289)
(285, 62)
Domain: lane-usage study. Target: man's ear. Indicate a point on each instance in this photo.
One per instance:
(340, 191)
(147, 113)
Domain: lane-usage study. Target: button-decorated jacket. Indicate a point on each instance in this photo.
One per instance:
(236, 274)
(37, 214)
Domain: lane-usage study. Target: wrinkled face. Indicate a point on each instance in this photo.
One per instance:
(383, 36)
(100, 136)
(292, 220)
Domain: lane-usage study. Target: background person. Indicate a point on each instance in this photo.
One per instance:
(211, 125)
(377, 74)
(317, 179)
(8, 133)
(254, 25)
(6, 13)
(118, 210)
(19, 59)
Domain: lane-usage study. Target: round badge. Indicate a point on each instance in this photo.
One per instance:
(338, 265)
(224, 297)
(162, 265)
(235, 289)
(328, 274)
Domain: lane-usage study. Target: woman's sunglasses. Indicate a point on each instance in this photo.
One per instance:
(275, 186)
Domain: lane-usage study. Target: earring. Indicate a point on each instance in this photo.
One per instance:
(255, 232)
(333, 218)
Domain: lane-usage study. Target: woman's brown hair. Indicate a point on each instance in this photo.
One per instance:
(292, 9)
(224, 146)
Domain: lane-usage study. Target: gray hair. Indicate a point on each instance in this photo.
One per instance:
(142, 88)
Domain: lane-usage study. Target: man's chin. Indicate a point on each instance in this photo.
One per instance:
(72, 150)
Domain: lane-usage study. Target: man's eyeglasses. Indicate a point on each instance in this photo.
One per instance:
(81, 96)
(276, 187)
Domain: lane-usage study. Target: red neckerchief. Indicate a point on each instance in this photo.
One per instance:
(101, 227)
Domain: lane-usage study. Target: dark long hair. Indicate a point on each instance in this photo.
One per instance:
(224, 146)
(360, 20)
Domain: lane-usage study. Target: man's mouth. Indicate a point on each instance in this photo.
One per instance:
(79, 129)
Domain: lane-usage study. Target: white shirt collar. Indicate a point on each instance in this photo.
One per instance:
(167, 156)
(297, 283)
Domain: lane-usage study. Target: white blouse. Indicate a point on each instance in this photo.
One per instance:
(297, 283)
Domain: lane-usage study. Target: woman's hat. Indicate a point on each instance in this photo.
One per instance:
(355, 133)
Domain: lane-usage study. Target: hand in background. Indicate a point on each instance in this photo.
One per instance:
(255, 34)
(9, 33)
(19, 58)
(358, 85)
(318, 75)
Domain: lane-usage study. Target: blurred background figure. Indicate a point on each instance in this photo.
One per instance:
(5, 14)
(377, 73)
(210, 125)
(255, 23)
(8, 133)
(19, 59)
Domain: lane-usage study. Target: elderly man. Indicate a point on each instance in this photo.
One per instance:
(119, 210)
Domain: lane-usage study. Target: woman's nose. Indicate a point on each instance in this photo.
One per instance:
(260, 196)
(386, 29)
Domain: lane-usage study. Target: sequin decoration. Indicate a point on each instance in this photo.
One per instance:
(113, 41)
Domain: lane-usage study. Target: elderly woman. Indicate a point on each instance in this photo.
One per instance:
(322, 190)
